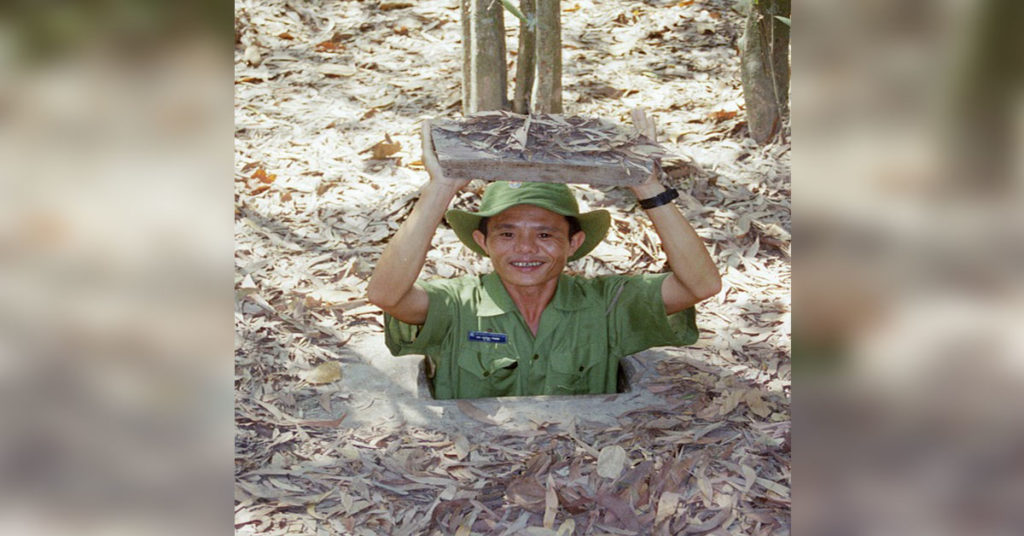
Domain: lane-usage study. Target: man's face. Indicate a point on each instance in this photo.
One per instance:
(528, 245)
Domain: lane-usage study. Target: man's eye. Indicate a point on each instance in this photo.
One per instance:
(545, 235)
(505, 234)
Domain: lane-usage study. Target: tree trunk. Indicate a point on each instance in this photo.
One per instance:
(765, 68)
(980, 132)
(547, 91)
(485, 79)
(467, 63)
(525, 62)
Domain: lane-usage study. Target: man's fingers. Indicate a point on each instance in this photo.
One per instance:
(639, 118)
(430, 161)
(425, 137)
(429, 156)
(642, 123)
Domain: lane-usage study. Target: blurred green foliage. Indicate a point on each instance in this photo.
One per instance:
(49, 29)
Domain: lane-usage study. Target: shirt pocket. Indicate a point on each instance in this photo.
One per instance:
(568, 376)
(485, 373)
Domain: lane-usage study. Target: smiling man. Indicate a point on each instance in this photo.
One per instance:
(527, 328)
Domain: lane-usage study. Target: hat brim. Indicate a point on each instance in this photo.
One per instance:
(594, 224)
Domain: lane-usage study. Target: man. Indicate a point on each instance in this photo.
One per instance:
(528, 328)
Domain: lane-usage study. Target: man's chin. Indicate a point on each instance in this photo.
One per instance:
(517, 278)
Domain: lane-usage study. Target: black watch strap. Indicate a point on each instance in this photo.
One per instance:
(661, 199)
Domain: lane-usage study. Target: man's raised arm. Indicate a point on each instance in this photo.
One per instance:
(694, 274)
(392, 286)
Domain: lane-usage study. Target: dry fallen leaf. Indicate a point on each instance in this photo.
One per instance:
(730, 400)
(704, 485)
(722, 115)
(550, 503)
(611, 461)
(385, 148)
(334, 70)
(326, 372)
(750, 476)
(247, 283)
(329, 46)
(705, 27)
(756, 403)
(388, 5)
(667, 505)
(263, 176)
(528, 493)
(252, 55)
(461, 446)
(774, 487)
(473, 412)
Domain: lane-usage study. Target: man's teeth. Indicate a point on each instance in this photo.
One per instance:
(526, 264)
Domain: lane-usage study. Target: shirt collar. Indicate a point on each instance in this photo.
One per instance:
(494, 300)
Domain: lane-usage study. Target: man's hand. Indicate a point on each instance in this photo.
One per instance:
(646, 126)
(392, 285)
(694, 275)
(433, 166)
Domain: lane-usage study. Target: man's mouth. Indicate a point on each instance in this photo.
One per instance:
(523, 264)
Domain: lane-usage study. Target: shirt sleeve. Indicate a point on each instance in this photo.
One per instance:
(402, 338)
(638, 320)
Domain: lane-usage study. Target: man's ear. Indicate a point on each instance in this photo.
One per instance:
(481, 240)
(575, 241)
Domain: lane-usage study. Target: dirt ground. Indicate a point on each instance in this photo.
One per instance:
(317, 86)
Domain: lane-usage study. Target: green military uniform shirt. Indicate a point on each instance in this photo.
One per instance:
(479, 344)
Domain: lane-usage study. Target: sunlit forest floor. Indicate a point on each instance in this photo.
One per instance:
(317, 86)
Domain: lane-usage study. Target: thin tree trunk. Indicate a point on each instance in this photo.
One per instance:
(981, 133)
(525, 62)
(547, 91)
(487, 73)
(467, 62)
(780, 53)
(765, 68)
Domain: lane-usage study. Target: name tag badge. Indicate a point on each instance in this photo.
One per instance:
(483, 336)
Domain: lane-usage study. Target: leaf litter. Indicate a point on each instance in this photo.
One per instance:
(487, 145)
(318, 84)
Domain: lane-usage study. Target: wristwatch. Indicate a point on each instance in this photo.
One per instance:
(661, 199)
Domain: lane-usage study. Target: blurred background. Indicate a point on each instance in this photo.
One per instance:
(116, 267)
(908, 136)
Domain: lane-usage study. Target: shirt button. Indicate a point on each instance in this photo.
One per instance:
(486, 374)
(536, 357)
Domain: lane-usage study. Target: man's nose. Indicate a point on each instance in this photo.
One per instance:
(525, 244)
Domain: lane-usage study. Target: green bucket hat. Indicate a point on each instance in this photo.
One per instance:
(555, 197)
